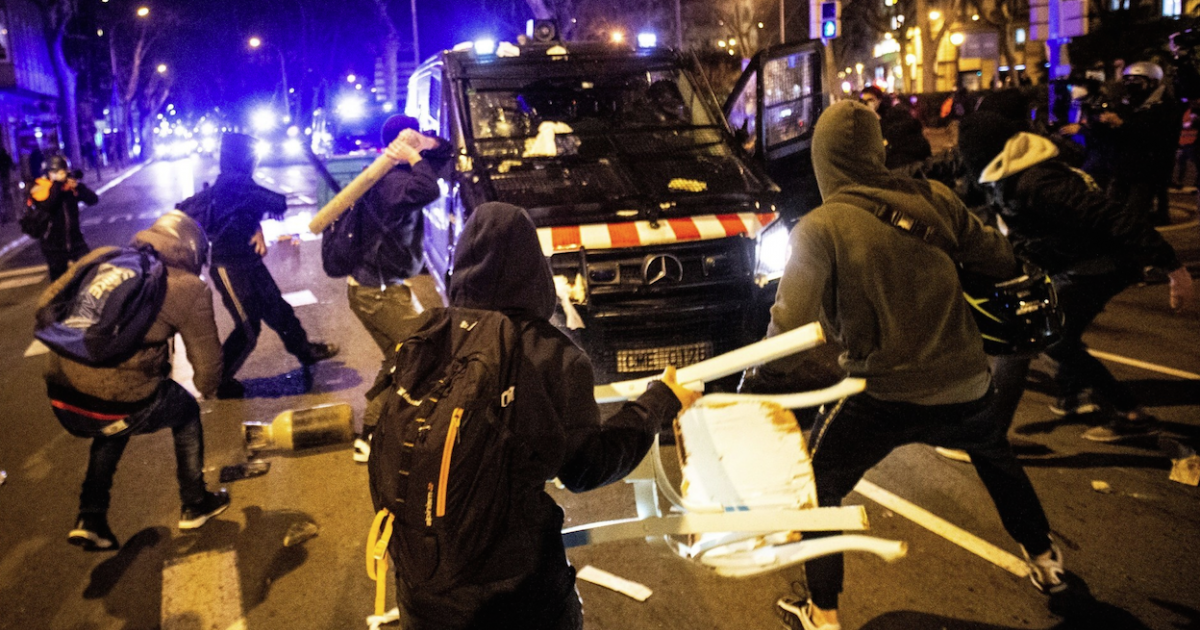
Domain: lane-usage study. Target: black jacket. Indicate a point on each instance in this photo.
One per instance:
(500, 267)
(62, 204)
(231, 212)
(1060, 220)
(392, 222)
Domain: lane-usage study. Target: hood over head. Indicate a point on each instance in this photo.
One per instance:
(847, 149)
(499, 265)
(237, 153)
(178, 239)
(1022, 151)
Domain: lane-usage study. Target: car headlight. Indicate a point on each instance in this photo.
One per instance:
(292, 147)
(262, 149)
(771, 253)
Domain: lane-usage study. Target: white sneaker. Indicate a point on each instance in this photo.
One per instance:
(1046, 571)
(362, 450)
(797, 615)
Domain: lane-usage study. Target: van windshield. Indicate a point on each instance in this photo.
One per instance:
(645, 100)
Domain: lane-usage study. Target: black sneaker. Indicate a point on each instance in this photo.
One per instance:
(231, 389)
(92, 533)
(197, 515)
(318, 352)
(1124, 429)
(1075, 405)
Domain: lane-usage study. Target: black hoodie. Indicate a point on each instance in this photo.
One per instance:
(500, 267)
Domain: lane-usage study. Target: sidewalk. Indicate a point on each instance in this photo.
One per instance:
(11, 238)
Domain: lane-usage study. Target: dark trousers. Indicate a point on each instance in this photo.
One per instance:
(1139, 194)
(252, 297)
(172, 407)
(390, 315)
(867, 429)
(59, 258)
(1080, 299)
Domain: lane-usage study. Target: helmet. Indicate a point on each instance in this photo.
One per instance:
(57, 163)
(1016, 315)
(1146, 69)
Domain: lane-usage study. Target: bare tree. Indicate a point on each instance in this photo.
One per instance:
(58, 15)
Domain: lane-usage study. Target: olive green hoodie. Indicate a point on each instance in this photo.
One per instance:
(891, 300)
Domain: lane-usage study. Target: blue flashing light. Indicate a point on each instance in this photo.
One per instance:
(485, 46)
(647, 40)
(829, 29)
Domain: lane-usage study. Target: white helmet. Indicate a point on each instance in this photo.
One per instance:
(1146, 69)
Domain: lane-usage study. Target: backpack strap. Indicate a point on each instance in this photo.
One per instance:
(896, 218)
(377, 556)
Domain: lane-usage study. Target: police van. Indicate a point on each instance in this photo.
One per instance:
(664, 237)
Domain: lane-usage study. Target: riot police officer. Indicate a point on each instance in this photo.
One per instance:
(231, 211)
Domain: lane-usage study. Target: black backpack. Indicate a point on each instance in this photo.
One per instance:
(101, 316)
(443, 453)
(35, 219)
(341, 243)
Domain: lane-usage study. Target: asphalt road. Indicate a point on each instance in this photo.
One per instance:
(1133, 546)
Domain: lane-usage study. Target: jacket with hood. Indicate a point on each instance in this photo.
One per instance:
(892, 301)
(392, 222)
(500, 266)
(1060, 220)
(61, 201)
(231, 212)
(187, 310)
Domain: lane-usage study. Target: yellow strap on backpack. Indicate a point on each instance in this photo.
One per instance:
(377, 556)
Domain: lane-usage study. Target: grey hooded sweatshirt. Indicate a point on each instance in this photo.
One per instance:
(892, 301)
(187, 310)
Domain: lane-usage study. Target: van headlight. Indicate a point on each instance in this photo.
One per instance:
(771, 253)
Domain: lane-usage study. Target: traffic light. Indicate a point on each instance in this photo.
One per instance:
(831, 19)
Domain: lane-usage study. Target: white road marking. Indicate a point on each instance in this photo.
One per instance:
(944, 528)
(150, 215)
(119, 217)
(306, 199)
(300, 298)
(24, 271)
(35, 349)
(124, 176)
(287, 189)
(203, 590)
(15, 246)
(1161, 369)
(90, 221)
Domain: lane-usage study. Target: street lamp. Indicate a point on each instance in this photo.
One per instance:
(143, 11)
(935, 15)
(162, 68)
(256, 43)
(957, 39)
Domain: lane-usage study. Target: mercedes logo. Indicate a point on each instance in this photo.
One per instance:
(662, 267)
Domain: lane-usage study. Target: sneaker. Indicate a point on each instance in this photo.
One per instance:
(953, 453)
(92, 533)
(231, 389)
(197, 515)
(318, 352)
(362, 450)
(796, 615)
(1075, 405)
(1124, 429)
(1046, 571)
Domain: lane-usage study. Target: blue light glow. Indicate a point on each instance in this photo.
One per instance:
(647, 40)
(485, 46)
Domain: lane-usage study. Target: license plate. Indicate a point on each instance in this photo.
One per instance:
(647, 359)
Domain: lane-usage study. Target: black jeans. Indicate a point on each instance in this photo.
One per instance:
(252, 297)
(1080, 299)
(867, 429)
(59, 258)
(172, 407)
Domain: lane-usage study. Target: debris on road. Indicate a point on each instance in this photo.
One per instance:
(1102, 487)
(299, 533)
(252, 468)
(603, 578)
(1185, 464)
(301, 428)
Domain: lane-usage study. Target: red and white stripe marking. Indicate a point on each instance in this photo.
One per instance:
(568, 238)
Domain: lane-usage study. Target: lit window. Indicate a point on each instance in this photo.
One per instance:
(1172, 8)
(1019, 35)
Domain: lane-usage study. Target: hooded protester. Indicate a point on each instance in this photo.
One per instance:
(231, 211)
(391, 216)
(1093, 248)
(139, 390)
(903, 134)
(893, 302)
(527, 581)
(58, 194)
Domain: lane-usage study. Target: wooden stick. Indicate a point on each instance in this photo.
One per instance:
(357, 187)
